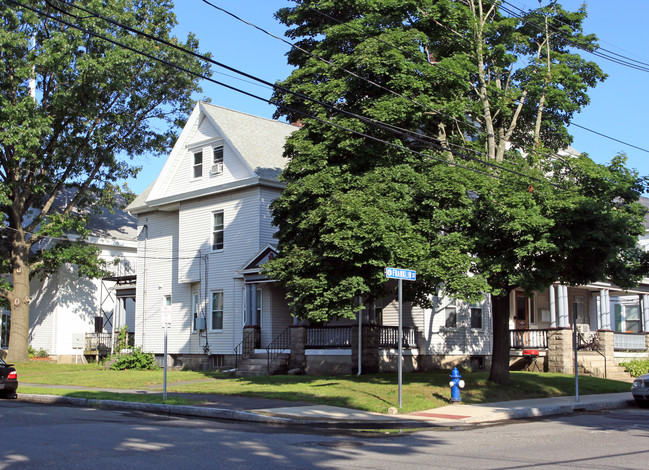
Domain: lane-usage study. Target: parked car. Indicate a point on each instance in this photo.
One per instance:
(8, 380)
(640, 390)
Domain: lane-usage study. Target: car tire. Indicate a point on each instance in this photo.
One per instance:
(642, 403)
(10, 395)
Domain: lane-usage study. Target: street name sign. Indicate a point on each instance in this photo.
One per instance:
(396, 273)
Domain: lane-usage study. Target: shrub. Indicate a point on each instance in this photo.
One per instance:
(636, 367)
(33, 353)
(136, 360)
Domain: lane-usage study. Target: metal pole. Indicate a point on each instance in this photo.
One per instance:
(360, 340)
(574, 345)
(400, 334)
(164, 386)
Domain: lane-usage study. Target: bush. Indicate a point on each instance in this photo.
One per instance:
(33, 353)
(636, 367)
(136, 360)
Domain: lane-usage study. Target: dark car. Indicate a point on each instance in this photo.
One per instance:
(640, 390)
(8, 380)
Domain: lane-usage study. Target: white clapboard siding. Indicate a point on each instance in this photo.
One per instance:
(439, 339)
(157, 270)
(267, 229)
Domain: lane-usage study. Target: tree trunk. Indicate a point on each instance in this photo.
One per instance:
(500, 359)
(19, 299)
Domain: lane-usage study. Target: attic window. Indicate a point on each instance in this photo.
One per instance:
(217, 165)
(198, 164)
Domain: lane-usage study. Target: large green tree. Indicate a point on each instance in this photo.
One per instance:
(74, 108)
(469, 82)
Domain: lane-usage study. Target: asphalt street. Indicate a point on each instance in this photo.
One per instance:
(36, 436)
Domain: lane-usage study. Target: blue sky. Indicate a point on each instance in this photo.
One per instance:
(616, 107)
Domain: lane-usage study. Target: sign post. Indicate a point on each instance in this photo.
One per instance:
(165, 318)
(408, 275)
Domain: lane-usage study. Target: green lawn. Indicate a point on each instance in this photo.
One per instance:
(375, 392)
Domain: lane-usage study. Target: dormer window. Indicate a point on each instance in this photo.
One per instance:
(217, 163)
(198, 165)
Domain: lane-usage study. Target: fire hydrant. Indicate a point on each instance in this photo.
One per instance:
(456, 384)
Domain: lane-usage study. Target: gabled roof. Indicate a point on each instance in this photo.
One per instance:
(254, 264)
(257, 142)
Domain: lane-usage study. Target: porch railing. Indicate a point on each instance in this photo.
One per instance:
(251, 338)
(324, 337)
(524, 339)
(389, 337)
(101, 342)
(280, 344)
(629, 342)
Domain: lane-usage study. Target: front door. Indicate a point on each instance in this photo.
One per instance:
(522, 314)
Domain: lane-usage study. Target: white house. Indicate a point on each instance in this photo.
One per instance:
(205, 227)
(68, 313)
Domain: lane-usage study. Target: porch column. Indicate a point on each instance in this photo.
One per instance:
(563, 306)
(247, 306)
(553, 307)
(253, 306)
(605, 310)
(645, 312)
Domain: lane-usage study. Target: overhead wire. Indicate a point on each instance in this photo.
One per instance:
(458, 75)
(599, 51)
(325, 105)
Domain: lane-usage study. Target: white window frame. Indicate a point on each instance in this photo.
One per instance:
(196, 308)
(451, 304)
(197, 166)
(478, 306)
(218, 153)
(215, 230)
(212, 310)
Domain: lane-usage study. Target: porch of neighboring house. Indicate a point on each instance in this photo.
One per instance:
(116, 307)
(612, 326)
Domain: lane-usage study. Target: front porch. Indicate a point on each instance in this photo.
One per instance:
(326, 350)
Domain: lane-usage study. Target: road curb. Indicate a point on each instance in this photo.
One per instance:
(549, 410)
(220, 413)
(182, 410)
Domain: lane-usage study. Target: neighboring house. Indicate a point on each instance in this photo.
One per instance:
(71, 316)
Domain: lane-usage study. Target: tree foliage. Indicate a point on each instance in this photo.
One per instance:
(474, 86)
(65, 147)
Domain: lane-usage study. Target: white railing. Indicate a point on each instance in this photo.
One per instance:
(629, 342)
(522, 339)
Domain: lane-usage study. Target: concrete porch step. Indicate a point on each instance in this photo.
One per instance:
(257, 364)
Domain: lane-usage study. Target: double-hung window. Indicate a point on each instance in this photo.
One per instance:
(196, 305)
(217, 164)
(217, 310)
(217, 230)
(476, 317)
(450, 315)
(198, 165)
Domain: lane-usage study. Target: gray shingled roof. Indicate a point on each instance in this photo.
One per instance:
(258, 140)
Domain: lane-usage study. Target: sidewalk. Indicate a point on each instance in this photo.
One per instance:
(285, 412)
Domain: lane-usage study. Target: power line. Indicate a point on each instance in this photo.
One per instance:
(327, 106)
(599, 52)
(410, 56)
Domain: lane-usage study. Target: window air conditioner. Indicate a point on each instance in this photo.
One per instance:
(217, 168)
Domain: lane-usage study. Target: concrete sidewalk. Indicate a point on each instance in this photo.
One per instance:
(285, 412)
